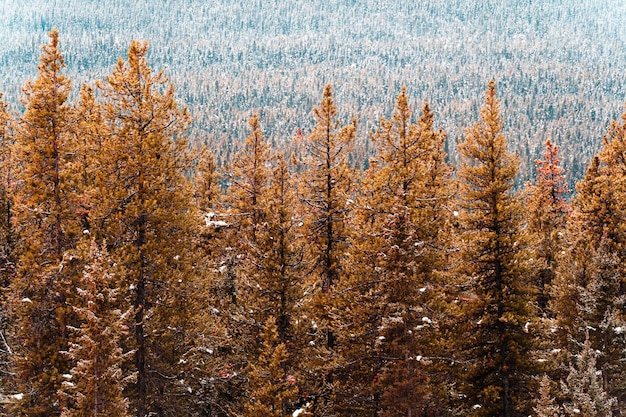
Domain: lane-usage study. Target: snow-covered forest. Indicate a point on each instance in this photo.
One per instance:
(364, 212)
(559, 64)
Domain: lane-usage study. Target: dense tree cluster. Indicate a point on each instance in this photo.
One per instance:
(140, 278)
(559, 63)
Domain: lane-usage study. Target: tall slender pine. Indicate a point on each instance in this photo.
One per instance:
(495, 343)
(47, 226)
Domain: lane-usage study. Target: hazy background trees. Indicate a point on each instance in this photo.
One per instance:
(559, 63)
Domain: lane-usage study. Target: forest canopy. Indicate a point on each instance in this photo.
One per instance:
(143, 275)
(559, 63)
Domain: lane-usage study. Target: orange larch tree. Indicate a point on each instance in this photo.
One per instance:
(141, 205)
(47, 226)
(496, 342)
(547, 213)
(400, 217)
(324, 189)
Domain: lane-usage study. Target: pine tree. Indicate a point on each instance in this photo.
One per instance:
(273, 269)
(142, 207)
(239, 254)
(594, 205)
(7, 184)
(263, 259)
(267, 257)
(272, 389)
(223, 338)
(41, 147)
(7, 247)
(398, 230)
(593, 288)
(583, 387)
(495, 343)
(274, 265)
(546, 215)
(86, 140)
(325, 185)
(586, 220)
(96, 382)
(601, 318)
(47, 226)
(324, 189)
(547, 212)
(206, 180)
(248, 176)
(546, 405)
(613, 168)
(588, 290)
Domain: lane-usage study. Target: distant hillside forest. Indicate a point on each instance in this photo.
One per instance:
(559, 63)
(139, 277)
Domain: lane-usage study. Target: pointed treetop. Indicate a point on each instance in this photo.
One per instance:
(490, 113)
(51, 58)
(327, 110)
(402, 114)
(486, 144)
(54, 37)
(51, 63)
(403, 102)
(427, 119)
(137, 51)
(328, 91)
